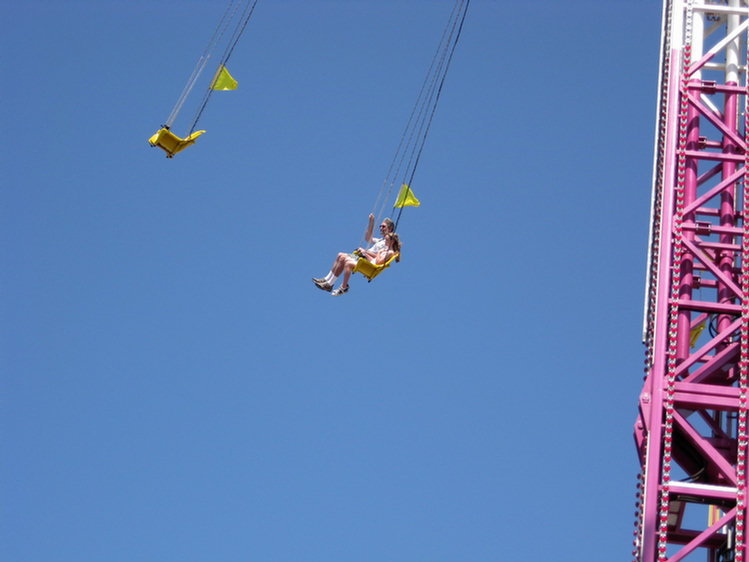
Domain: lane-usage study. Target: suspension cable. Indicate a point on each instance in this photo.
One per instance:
(200, 66)
(434, 104)
(408, 131)
(234, 39)
(414, 136)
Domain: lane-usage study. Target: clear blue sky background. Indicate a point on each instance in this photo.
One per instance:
(174, 387)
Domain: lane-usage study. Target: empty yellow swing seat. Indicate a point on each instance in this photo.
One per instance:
(370, 270)
(171, 143)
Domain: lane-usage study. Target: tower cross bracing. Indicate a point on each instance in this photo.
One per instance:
(691, 431)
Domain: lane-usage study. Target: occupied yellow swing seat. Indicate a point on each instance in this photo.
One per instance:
(171, 143)
(370, 270)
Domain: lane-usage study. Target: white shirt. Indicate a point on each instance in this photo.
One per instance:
(378, 244)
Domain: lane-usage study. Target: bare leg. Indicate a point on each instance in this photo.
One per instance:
(347, 269)
(339, 263)
(326, 283)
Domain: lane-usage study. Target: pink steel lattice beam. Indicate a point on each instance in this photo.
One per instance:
(691, 432)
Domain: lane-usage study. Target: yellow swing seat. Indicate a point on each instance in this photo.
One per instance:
(370, 270)
(171, 143)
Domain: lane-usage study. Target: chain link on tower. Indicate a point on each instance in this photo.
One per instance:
(691, 432)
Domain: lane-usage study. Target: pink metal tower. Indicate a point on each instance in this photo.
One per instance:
(691, 432)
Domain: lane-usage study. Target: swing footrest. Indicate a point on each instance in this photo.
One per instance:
(171, 143)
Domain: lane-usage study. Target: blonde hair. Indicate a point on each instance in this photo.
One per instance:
(396, 245)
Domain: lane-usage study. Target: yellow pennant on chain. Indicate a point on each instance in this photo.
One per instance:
(406, 198)
(223, 80)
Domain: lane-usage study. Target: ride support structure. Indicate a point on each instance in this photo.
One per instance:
(691, 431)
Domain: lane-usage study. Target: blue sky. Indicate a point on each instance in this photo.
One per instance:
(174, 387)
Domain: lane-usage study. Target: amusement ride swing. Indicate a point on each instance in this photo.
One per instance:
(239, 14)
(414, 136)
(412, 141)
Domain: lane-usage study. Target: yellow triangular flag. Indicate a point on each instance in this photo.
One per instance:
(406, 198)
(223, 80)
